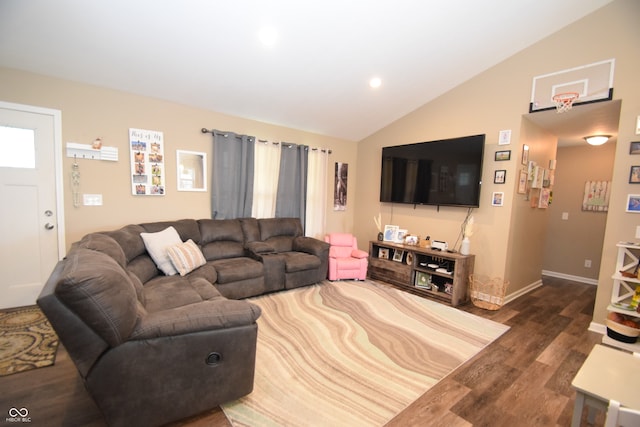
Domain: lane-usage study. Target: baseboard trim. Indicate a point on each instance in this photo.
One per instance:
(598, 328)
(580, 279)
(522, 291)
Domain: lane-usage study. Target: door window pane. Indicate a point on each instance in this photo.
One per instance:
(17, 148)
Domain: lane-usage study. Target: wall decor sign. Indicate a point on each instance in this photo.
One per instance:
(147, 162)
(596, 196)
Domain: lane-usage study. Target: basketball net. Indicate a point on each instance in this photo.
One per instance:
(564, 101)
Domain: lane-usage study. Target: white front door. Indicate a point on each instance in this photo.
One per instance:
(31, 217)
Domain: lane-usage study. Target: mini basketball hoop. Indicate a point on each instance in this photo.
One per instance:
(564, 101)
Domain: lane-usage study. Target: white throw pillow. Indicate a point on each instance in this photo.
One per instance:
(157, 245)
(186, 257)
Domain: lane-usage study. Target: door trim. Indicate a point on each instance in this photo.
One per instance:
(58, 167)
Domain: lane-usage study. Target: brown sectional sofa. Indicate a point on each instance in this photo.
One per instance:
(154, 348)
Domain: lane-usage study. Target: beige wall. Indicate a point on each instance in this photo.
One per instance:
(569, 242)
(89, 112)
(495, 100)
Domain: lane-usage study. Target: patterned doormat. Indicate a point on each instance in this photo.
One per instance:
(27, 340)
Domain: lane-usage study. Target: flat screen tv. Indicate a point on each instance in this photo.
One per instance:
(441, 173)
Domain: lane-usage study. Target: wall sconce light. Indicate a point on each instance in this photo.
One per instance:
(597, 139)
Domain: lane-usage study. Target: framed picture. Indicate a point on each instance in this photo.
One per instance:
(633, 203)
(398, 254)
(503, 155)
(634, 175)
(634, 147)
(500, 176)
(411, 240)
(383, 253)
(497, 198)
(522, 182)
(505, 137)
(525, 154)
(192, 170)
(545, 197)
(390, 232)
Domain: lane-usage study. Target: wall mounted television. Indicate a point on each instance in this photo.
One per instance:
(447, 172)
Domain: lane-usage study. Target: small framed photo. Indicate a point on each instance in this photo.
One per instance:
(500, 176)
(634, 175)
(411, 240)
(503, 155)
(633, 203)
(390, 233)
(634, 147)
(505, 137)
(525, 154)
(522, 182)
(398, 254)
(497, 198)
(383, 253)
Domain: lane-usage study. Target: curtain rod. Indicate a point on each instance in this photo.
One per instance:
(264, 141)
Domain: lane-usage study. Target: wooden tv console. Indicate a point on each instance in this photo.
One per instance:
(441, 275)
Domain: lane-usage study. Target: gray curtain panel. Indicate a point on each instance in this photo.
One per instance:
(232, 175)
(292, 182)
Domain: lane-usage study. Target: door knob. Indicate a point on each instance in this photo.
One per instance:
(49, 226)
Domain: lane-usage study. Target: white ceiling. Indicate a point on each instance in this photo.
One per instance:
(206, 53)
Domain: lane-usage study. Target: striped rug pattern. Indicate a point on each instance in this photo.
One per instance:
(352, 354)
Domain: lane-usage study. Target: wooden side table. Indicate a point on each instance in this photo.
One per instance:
(606, 374)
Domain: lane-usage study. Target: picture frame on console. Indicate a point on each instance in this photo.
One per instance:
(398, 254)
(390, 233)
(383, 253)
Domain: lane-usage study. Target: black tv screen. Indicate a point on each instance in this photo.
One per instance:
(447, 172)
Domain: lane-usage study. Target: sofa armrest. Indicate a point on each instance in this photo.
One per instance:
(358, 253)
(312, 246)
(219, 313)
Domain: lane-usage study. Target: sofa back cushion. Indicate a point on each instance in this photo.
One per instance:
(129, 239)
(221, 238)
(99, 291)
(280, 232)
(186, 228)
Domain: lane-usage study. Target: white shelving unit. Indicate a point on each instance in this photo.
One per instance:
(624, 288)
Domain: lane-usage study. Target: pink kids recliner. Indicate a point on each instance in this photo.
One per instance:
(346, 261)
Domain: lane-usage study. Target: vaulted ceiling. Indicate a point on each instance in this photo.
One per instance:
(300, 64)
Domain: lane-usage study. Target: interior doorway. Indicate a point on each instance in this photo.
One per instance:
(575, 236)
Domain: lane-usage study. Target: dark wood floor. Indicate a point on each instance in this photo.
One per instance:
(521, 379)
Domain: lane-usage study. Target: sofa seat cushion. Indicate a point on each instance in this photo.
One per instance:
(300, 261)
(236, 269)
(166, 292)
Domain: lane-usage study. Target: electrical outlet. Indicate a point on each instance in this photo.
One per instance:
(565, 215)
(587, 263)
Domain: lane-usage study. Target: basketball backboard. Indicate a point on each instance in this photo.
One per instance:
(592, 83)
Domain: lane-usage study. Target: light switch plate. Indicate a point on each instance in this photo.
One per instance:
(92, 199)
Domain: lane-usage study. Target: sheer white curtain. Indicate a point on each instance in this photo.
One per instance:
(265, 183)
(317, 193)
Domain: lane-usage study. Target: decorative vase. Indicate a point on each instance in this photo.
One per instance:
(464, 248)
(380, 236)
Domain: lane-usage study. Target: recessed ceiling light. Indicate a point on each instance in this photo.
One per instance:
(375, 82)
(268, 36)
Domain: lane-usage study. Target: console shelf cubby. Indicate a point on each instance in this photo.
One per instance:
(441, 275)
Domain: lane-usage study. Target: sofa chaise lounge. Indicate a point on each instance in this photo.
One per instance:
(153, 347)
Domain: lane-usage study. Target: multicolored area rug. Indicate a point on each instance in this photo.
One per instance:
(352, 353)
(27, 340)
